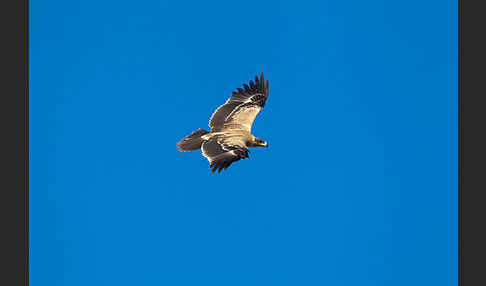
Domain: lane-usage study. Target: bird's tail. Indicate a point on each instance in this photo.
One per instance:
(192, 141)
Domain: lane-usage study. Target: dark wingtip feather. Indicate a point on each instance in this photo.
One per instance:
(253, 87)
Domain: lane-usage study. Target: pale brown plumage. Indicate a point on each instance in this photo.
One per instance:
(230, 135)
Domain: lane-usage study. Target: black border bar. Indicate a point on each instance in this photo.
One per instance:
(472, 143)
(14, 72)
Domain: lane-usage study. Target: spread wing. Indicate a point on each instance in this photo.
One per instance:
(242, 107)
(222, 152)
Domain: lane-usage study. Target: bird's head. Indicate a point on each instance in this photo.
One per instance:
(260, 142)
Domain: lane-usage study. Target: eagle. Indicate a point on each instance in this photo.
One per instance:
(230, 137)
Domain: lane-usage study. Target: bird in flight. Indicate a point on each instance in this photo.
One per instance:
(230, 135)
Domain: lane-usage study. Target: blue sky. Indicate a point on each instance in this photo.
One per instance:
(358, 186)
